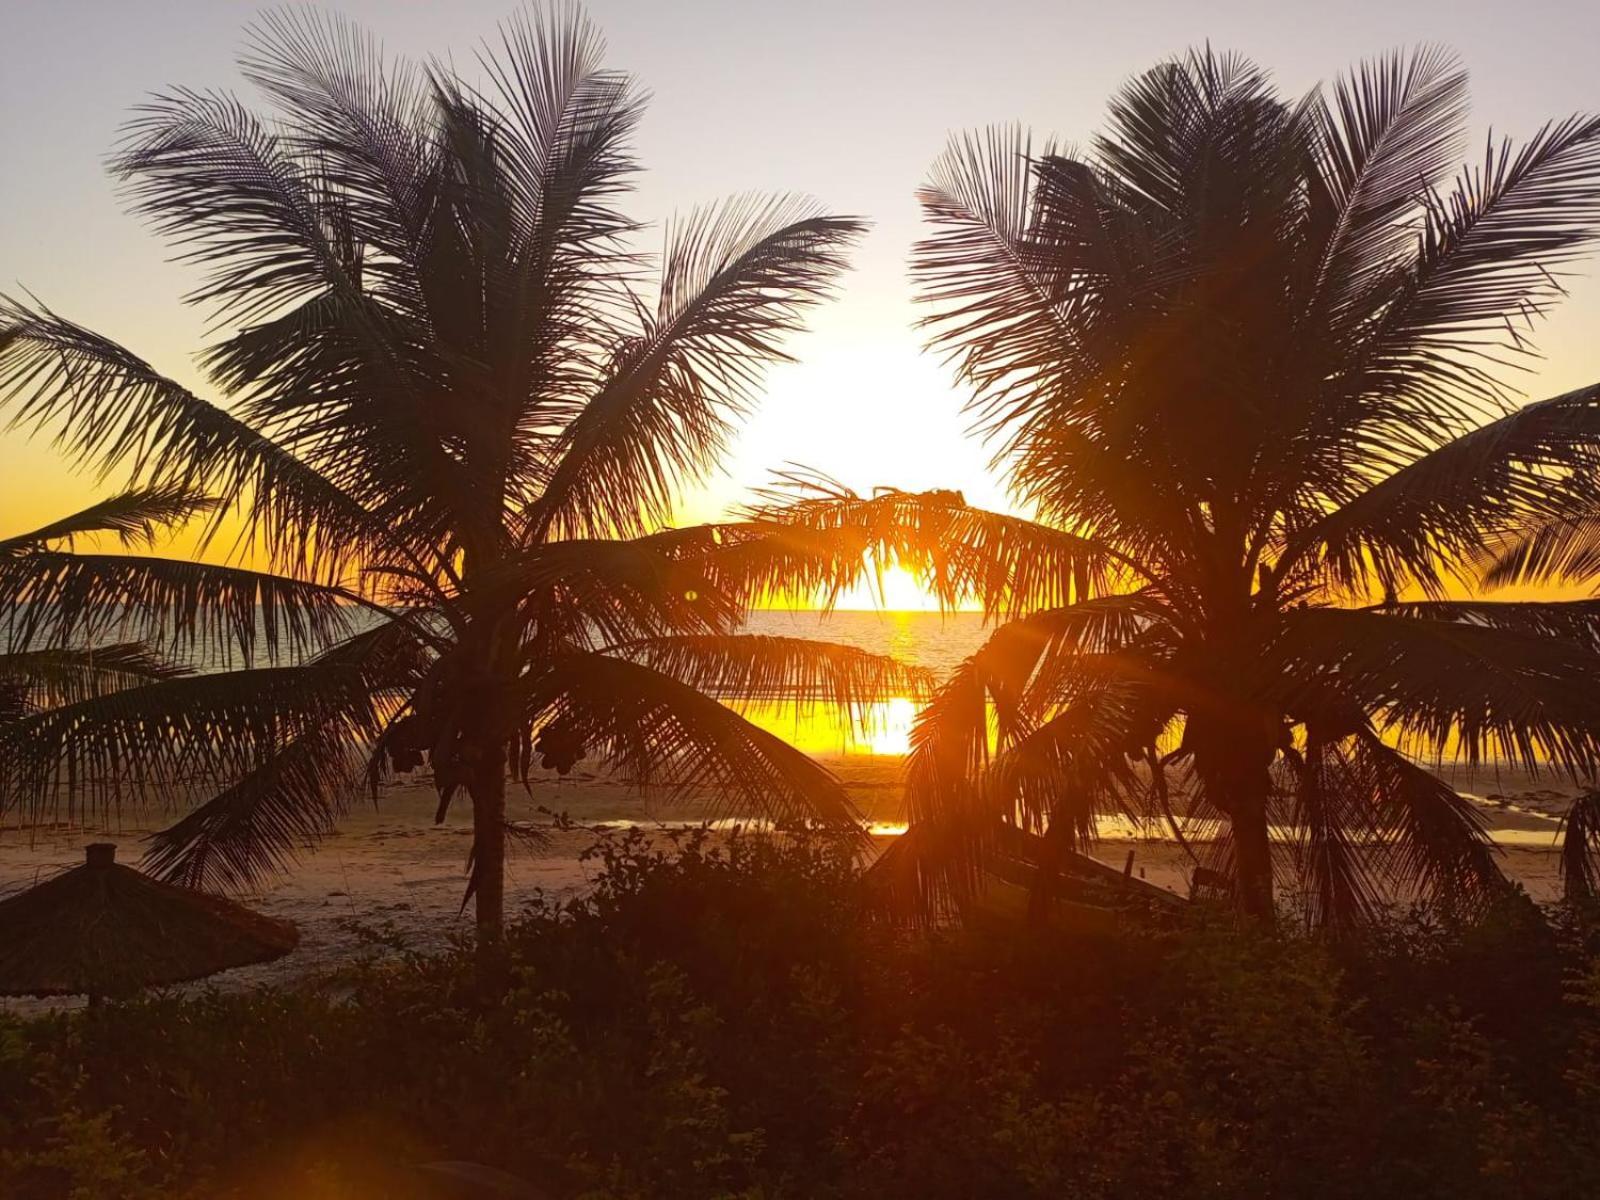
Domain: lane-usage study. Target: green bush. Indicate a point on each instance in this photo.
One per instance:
(718, 1019)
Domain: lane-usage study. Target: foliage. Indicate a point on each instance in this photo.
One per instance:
(1250, 362)
(457, 404)
(719, 1019)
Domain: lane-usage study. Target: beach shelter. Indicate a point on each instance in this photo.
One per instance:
(103, 929)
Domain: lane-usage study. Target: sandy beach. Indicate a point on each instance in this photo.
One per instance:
(390, 876)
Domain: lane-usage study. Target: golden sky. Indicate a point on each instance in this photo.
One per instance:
(849, 100)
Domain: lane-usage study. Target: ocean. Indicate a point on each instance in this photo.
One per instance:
(927, 639)
(883, 728)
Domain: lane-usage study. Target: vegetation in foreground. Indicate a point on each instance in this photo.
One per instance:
(720, 1020)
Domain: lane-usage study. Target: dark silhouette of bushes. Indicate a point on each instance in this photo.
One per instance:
(719, 1018)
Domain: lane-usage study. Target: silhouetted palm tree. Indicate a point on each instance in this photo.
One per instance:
(455, 428)
(1248, 361)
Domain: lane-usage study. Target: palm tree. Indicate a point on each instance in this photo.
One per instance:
(454, 428)
(1248, 362)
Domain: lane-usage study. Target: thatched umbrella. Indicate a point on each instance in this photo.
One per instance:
(106, 930)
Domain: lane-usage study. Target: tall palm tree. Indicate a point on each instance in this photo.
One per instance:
(454, 428)
(1249, 363)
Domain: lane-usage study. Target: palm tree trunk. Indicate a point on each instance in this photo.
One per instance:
(488, 790)
(1253, 858)
(1233, 770)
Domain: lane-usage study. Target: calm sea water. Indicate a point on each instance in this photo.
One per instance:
(923, 639)
(926, 639)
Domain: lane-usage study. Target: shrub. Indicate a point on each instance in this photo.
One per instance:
(718, 1018)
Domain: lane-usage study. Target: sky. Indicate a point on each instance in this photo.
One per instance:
(846, 100)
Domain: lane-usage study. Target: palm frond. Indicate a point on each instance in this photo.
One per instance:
(1074, 644)
(1052, 776)
(1439, 842)
(1190, 122)
(284, 259)
(1488, 260)
(323, 381)
(734, 284)
(58, 596)
(1337, 826)
(1447, 687)
(993, 300)
(659, 732)
(133, 517)
(45, 678)
(1574, 621)
(529, 284)
(731, 567)
(1001, 693)
(1077, 481)
(952, 816)
(1580, 848)
(758, 562)
(1559, 548)
(800, 671)
(364, 119)
(1006, 563)
(252, 829)
(211, 176)
(1075, 766)
(912, 881)
(174, 732)
(1391, 128)
(952, 744)
(597, 591)
(568, 121)
(1430, 519)
(113, 410)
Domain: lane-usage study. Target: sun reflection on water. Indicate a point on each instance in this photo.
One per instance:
(907, 631)
(881, 728)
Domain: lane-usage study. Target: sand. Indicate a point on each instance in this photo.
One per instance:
(390, 877)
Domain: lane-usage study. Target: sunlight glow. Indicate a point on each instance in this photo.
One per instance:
(894, 590)
(884, 728)
(890, 731)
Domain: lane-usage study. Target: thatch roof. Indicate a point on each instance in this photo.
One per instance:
(103, 930)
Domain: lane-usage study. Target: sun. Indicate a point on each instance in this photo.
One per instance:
(895, 589)
(889, 729)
